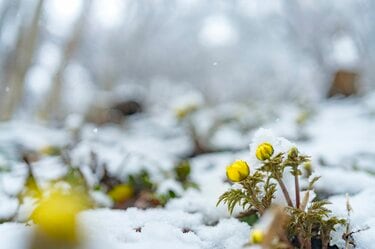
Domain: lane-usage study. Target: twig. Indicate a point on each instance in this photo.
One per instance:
(296, 185)
(347, 234)
(246, 213)
(285, 192)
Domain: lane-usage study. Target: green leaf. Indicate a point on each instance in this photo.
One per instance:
(250, 220)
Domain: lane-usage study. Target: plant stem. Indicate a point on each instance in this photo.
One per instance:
(305, 200)
(301, 240)
(246, 213)
(308, 237)
(285, 192)
(308, 243)
(323, 239)
(256, 202)
(324, 242)
(347, 227)
(253, 196)
(296, 185)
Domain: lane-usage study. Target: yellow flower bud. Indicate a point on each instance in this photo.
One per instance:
(238, 171)
(121, 193)
(308, 168)
(56, 215)
(264, 151)
(293, 152)
(50, 151)
(256, 236)
(182, 112)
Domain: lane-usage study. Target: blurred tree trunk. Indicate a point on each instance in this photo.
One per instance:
(8, 9)
(52, 108)
(19, 63)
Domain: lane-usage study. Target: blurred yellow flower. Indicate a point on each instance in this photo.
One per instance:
(238, 171)
(50, 150)
(182, 112)
(56, 215)
(256, 236)
(121, 193)
(31, 188)
(264, 151)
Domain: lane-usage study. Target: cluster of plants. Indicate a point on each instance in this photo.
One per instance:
(58, 203)
(301, 223)
(135, 190)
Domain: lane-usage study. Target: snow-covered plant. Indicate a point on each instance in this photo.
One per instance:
(256, 194)
(306, 220)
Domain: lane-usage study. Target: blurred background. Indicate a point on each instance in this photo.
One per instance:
(59, 57)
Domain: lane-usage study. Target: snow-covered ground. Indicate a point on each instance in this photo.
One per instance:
(338, 134)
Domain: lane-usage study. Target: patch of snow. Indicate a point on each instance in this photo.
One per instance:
(8, 207)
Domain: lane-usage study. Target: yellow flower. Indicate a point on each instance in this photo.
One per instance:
(50, 151)
(182, 112)
(238, 171)
(264, 151)
(56, 215)
(257, 236)
(121, 193)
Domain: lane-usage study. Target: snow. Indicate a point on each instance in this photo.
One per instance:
(361, 217)
(170, 185)
(30, 136)
(196, 202)
(14, 235)
(101, 199)
(161, 228)
(12, 183)
(340, 130)
(8, 207)
(341, 181)
(25, 209)
(49, 168)
(339, 137)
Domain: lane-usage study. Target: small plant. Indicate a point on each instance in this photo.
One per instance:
(182, 173)
(306, 221)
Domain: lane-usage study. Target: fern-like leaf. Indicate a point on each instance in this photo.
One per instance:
(233, 197)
